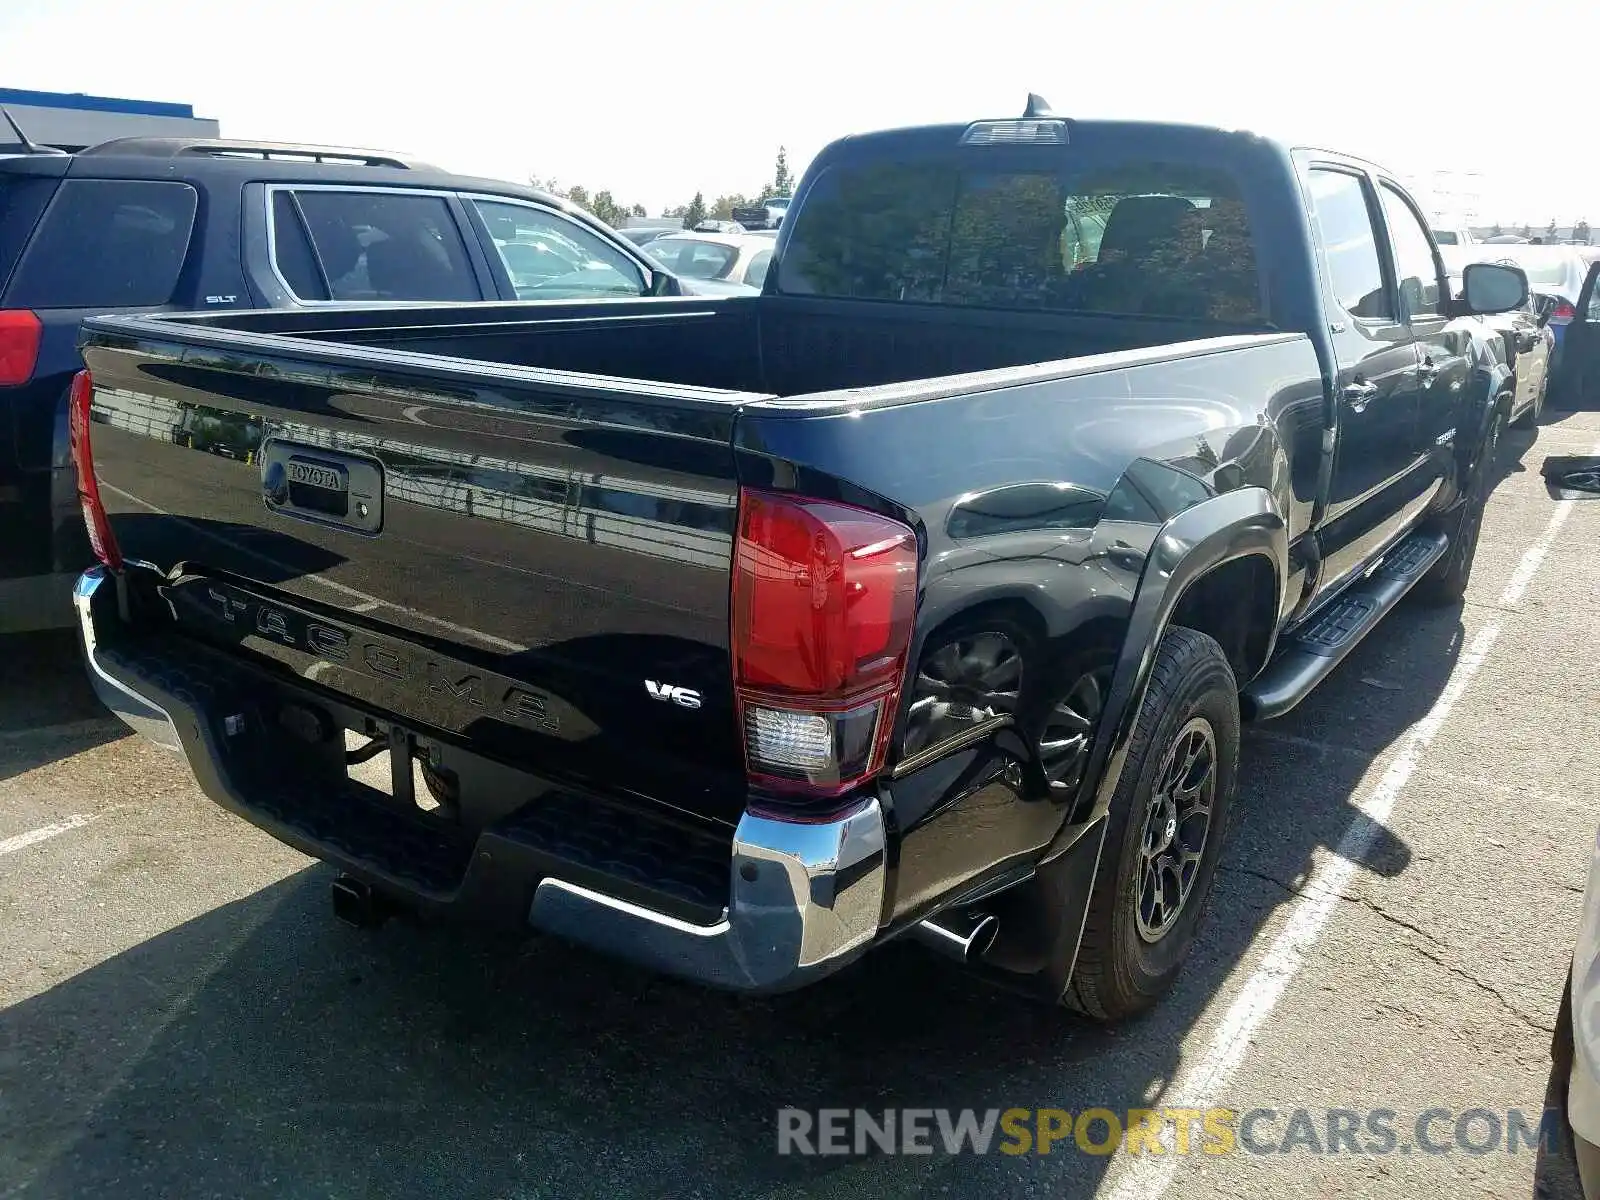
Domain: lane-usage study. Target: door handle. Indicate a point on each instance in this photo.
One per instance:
(1427, 373)
(1359, 394)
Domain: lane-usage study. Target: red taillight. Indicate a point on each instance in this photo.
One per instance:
(824, 596)
(19, 345)
(94, 513)
(1562, 314)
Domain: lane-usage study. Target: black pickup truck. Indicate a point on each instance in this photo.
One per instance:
(922, 594)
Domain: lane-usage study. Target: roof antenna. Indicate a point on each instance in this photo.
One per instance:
(22, 138)
(1038, 108)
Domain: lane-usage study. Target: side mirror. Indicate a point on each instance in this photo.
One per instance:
(663, 283)
(1544, 308)
(1488, 288)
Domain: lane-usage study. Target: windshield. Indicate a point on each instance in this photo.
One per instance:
(693, 258)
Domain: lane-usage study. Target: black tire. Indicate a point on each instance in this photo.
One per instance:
(1447, 582)
(1121, 969)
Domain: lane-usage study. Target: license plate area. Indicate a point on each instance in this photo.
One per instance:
(328, 487)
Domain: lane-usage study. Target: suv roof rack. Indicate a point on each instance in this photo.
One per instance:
(161, 147)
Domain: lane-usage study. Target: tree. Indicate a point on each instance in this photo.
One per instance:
(1550, 231)
(696, 212)
(1495, 230)
(782, 182)
(1527, 230)
(1580, 232)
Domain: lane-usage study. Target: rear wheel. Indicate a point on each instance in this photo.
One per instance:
(1165, 831)
(1446, 583)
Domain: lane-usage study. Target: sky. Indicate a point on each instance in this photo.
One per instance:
(657, 101)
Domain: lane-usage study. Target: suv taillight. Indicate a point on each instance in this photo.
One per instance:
(824, 597)
(1563, 314)
(19, 345)
(94, 513)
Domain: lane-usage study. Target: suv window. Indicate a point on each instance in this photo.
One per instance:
(1355, 271)
(1416, 272)
(106, 243)
(550, 257)
(1143, 238)
(22, 199)
(370, 245)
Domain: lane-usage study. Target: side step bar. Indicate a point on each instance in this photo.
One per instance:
(1308, 656)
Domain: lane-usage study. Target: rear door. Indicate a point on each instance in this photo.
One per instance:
(1577, 381)
(311, 244)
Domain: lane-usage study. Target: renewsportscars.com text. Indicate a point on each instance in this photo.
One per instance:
(1181, 1131)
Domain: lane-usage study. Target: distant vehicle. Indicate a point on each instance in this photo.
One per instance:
(768, 214)
(725, 257)
(716, 226)
(194, 224)
(643, 237)
(1453, 235)
(1505, 239)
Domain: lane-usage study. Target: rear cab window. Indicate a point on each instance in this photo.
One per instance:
(1116, 238)
(333, 244)
(105, 243)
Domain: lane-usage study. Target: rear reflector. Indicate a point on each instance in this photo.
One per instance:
(20, 332)
(824, 596)
(94, 514)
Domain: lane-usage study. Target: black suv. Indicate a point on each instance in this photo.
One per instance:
(154, 224)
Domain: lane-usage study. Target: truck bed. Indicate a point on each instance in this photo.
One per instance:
(550, 542)
(763, 345)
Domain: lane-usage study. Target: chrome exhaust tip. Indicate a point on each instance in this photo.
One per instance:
(965, 937)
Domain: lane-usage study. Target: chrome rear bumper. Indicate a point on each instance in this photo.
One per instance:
(96, 589)
(803, 899)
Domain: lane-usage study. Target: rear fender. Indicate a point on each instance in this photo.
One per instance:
(1200, 539)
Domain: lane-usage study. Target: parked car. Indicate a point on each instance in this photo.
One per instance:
(147, 224)
(1575, 1047)
(1576, 379)
(766, 214)
(1527, 346)
(723, 257)
(1555, 271)
(737, 636)
(648, 234)
(1453, 233)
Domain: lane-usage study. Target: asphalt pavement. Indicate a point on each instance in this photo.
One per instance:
(181, 1016)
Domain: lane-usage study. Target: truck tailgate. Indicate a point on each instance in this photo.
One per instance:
(539, 569)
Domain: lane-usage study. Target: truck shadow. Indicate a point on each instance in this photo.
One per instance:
(263, 1049)
(47, 708)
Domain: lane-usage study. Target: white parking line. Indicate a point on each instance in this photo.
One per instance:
(44, 833)
(1147, 1176)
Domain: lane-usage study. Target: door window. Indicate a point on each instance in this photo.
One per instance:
(550, 257)
(1416, 269)
(370, 245)
(1355, 270)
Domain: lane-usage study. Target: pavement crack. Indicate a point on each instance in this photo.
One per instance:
(1380, 911)
(1488, 988)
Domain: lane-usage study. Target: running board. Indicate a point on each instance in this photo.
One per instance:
(1308, 655)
